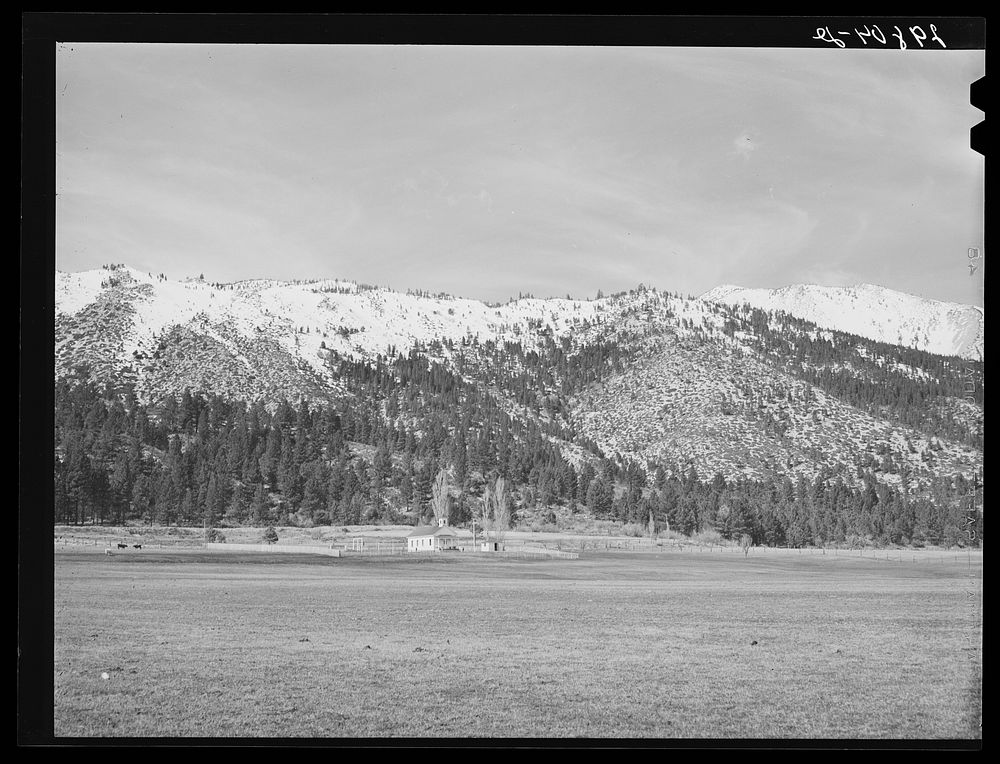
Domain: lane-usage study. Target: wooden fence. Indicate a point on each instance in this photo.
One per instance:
(511, 551)
(275, 548)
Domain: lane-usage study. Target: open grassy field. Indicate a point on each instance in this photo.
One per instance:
(613, 645)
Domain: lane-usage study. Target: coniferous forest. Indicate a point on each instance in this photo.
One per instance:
(372, 458)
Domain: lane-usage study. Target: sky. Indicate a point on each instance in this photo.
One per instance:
(493, 171)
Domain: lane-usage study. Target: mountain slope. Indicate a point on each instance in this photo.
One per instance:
(643, 376)
(723, 411)
(871, 311)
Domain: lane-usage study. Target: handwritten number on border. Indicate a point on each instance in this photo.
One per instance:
(824, 34)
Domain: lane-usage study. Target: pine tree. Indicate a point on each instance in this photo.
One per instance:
(258, 509)
(168, 498)
(121, 487)
(210, 513)
(236, 510)
(142, 499)
(289, 472)
(188, 513)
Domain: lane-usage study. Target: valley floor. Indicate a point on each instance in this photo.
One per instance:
(618, 645)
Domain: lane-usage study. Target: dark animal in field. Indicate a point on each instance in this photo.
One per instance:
(123, 546)
(137, 546)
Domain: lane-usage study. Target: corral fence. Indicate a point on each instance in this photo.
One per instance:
(537, 554)
(187, 544)
(275, 548)
(357, 547)
(113, 541)
(871, 553)
(367, 545)
(901, 554)
(585, 544)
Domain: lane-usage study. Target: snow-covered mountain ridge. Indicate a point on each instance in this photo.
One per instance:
(871, 311)
(303, 321)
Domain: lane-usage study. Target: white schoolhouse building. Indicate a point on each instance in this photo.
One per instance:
(432, 538)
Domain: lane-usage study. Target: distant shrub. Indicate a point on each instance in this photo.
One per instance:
(670, 534)
(301, 520)
(215, 536)
(635, 530)
(709, 537)
(537, 527)
(270, 535)
(854, 541)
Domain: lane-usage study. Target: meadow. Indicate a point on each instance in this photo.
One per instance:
(612, 645)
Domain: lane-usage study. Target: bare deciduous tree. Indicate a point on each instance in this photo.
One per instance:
(501, 510)
(485, 508)
(745, 543)
(439, 497)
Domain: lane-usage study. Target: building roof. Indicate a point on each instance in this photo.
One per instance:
(432, 530)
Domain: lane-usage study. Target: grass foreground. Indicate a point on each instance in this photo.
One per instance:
(183, 643)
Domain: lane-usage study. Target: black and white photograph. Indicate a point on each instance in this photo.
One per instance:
(487, 392)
